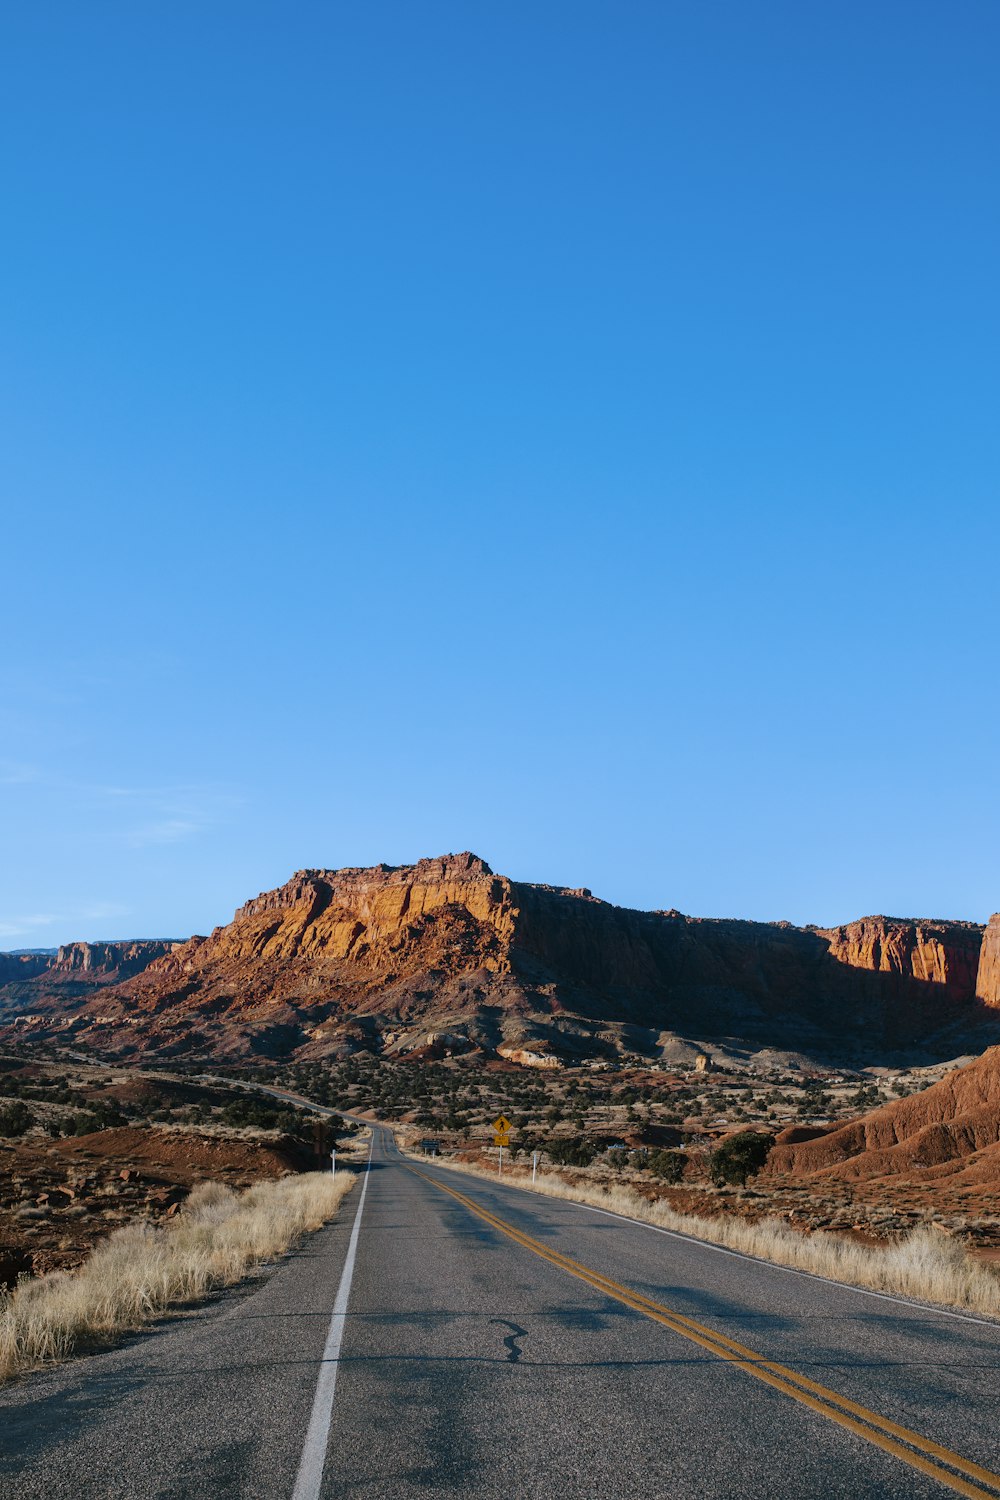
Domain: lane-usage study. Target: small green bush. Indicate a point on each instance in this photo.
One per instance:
(571, 1153)
(667, 1165)
(739, 1158)
(15, 1118)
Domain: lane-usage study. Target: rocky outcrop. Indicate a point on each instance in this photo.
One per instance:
(15, 968)
(107, 963)
(988, 980)
(365, 915)
(941, 953)
(50, 980)
(336, 959)
(528, 1058)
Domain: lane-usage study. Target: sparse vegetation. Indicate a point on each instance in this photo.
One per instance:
(667, 1165)
(572, 1153)
(140, 1271)
(15, 1119)
(647, 1126)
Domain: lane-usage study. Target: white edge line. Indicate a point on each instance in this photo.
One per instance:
(310, 1474)
(757, 1260)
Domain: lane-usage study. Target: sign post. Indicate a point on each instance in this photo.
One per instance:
(501, 1138)
(534, 1166)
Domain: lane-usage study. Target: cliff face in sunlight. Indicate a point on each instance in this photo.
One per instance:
(988, 978)
(397, 958)
(941, 953)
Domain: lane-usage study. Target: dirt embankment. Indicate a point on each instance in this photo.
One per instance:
(951, 1129)
(58, 1198)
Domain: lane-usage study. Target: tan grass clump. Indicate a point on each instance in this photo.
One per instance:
(141, 1270)
(925, 1265)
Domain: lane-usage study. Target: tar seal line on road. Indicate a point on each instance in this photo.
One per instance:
(310, 1475)
(920, 1452)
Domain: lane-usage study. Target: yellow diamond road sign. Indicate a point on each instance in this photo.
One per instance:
(502, 1125)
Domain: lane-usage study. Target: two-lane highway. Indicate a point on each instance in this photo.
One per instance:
(447, 1335)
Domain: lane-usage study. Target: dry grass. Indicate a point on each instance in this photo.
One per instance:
(926, 1265)
(141, 1270)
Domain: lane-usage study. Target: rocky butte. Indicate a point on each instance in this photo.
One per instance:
(395, 959)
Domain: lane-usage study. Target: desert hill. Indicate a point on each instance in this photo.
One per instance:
(951, 1130)
(447, 954)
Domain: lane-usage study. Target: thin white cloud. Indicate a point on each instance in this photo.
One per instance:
(166, 831)
(139, 816)
(72, 918)
(172, 814)
(11, 927)
(16, 773)
(99, 911)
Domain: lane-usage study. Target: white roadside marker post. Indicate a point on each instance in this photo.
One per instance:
(534, 1166)
(333, 1161)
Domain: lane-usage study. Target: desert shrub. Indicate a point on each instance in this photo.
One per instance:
(571, 1153)
(15, 1118)
(261, 1116)
(210, 1203)
(739, 1157)
(667, 1165)
(97, 1117)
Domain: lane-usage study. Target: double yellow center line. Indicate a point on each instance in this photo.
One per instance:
(919, 1452)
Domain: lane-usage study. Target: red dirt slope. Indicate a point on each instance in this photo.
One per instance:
(951, 1128)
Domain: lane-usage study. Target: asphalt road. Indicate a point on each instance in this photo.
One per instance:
(500, 1344)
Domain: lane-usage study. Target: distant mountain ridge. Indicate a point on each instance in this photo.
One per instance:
(96, 963)
(397, 958)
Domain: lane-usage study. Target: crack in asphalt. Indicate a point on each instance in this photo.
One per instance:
(513, 1352)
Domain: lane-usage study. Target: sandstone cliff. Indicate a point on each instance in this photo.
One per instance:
(75, 969)
(17, 967)
(941, 953)
(107, 963)
(988, 982)
(334, 959)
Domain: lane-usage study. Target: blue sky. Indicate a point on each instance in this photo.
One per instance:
(566, 431)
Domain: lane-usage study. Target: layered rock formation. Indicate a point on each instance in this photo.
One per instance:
(383, 957)
(75, 969)
(942, 953)
(16, 967)
(107, 963)
(988, 981)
